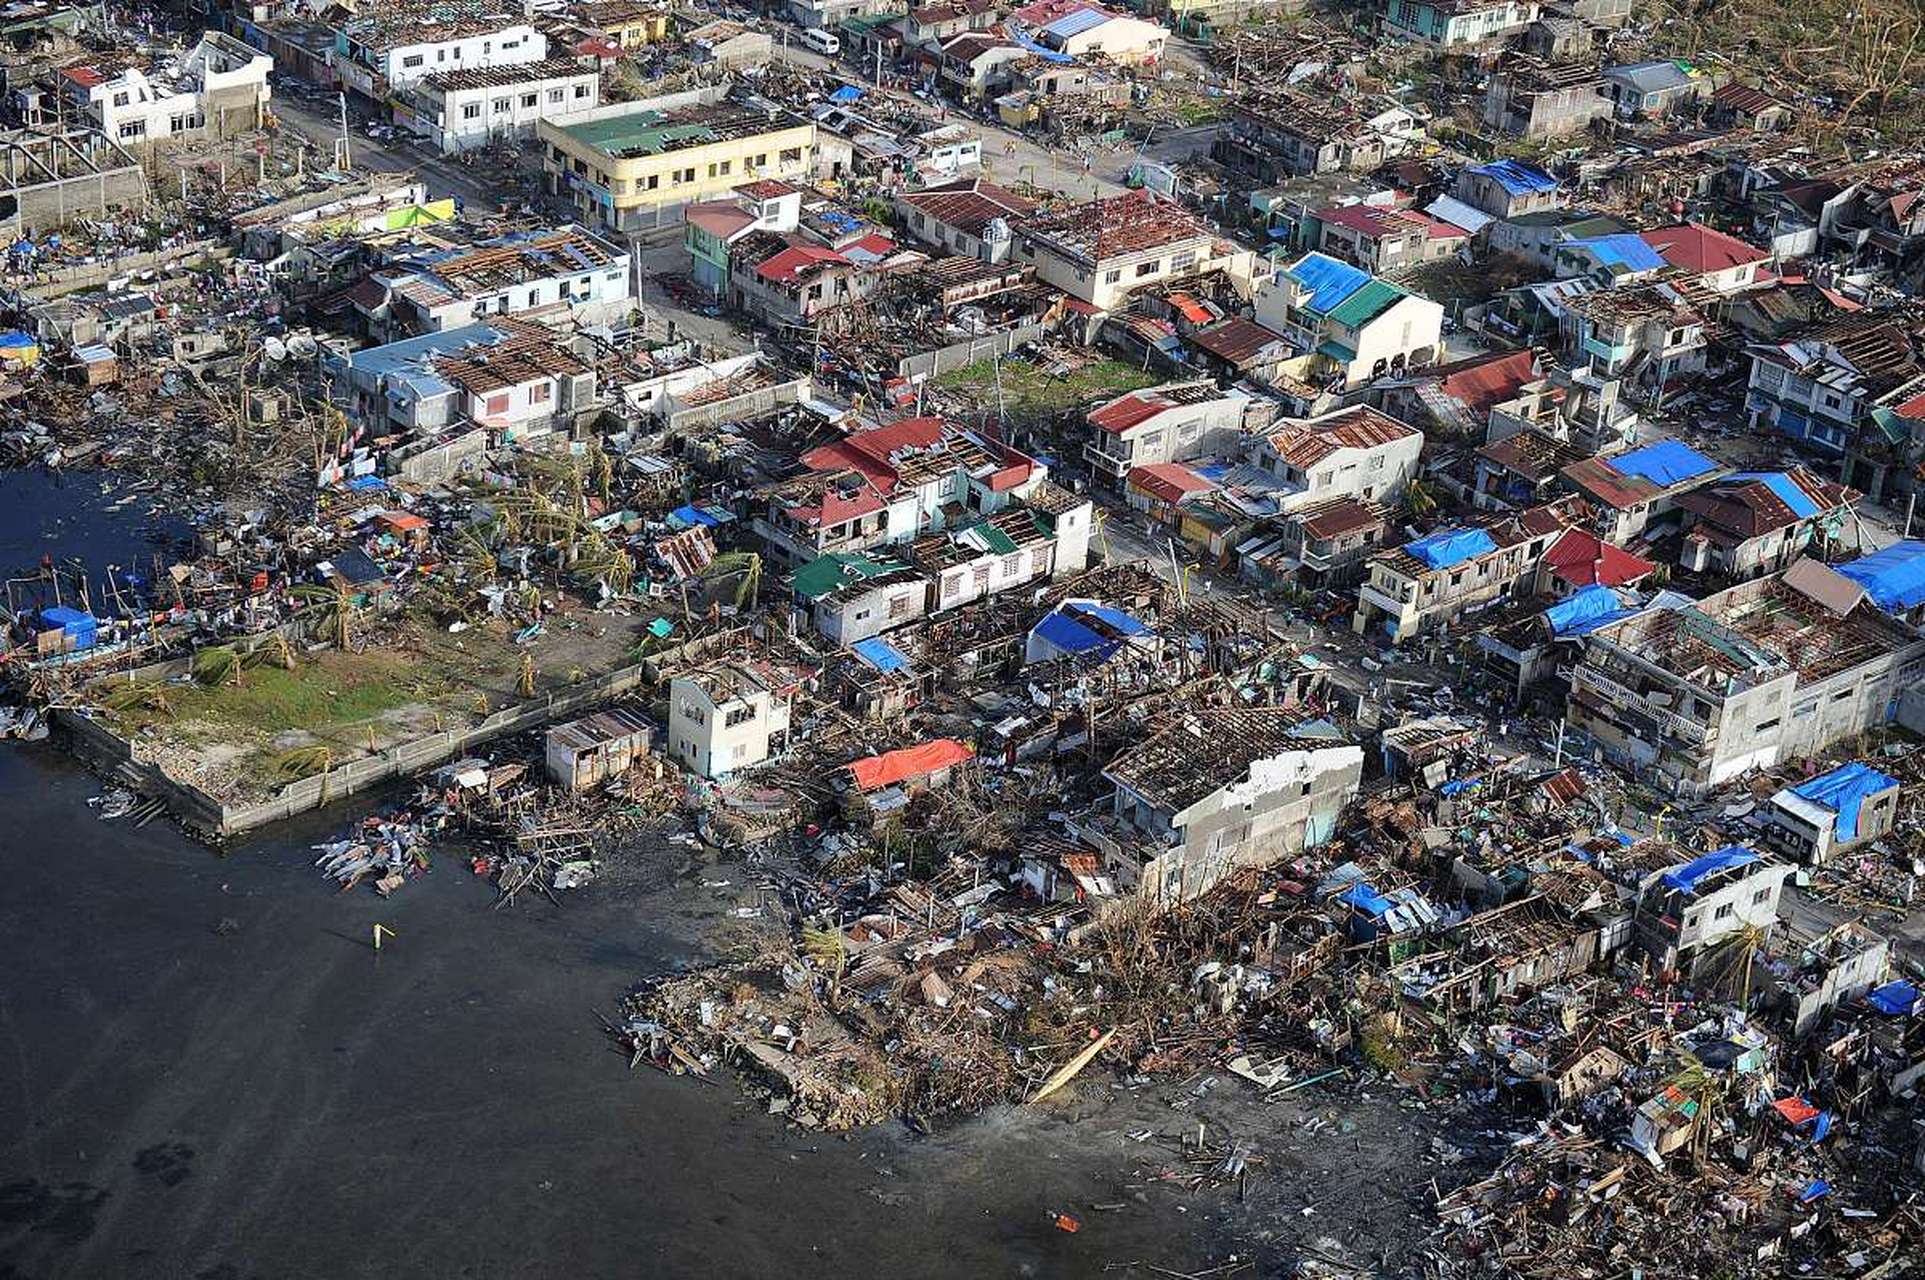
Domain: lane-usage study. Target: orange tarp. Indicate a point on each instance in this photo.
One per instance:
(910, 762)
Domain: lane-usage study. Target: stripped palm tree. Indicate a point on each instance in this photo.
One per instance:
(525, 678)
(331, 610)
(217, 665)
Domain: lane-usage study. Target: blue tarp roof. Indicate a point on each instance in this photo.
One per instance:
(1686, 878)
(847, 93)
(1583, 610)
(1663, 462)
(1075, 24)
(1843, 790)
(1622, 250)
(364, 483)
(1896, 999)
(1071, 636)
(1782, 487)
(1024, 40)
(1516, 177)
(61, 615)
(1894, 578)
(1328, 280)
(1116, 618)
(1451, 546)
(693, 515)
(881, 655)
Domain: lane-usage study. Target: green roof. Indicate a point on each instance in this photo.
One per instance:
(1361, 307)
(637, 133)
(827, 572)
(997, 541)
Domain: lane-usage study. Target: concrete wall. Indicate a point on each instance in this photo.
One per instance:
(960, 355)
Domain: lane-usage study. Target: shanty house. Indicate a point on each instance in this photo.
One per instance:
(1823, 386)
(586, 752)
(1835, 811)
(568, 270)
(1654, 88)
(728, 716)
(1218, 790)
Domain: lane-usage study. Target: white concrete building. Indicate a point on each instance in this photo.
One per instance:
(381, 51)
(472, 107)
(1349, 453)
(219, 87)
(1101, 251)
(728, 717)
(1173, 423)
(523, 274)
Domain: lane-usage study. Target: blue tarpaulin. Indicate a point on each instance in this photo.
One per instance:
(1585, 610)
(1895, 999)
(1686, 878)
(1843, 790)
(1516, 177)
(1663, 462)
(1451, 546)
(1821, 1127)
(1894, 578)
(1366, 899)
(362, 484)
(693, 515)
(1458, 786)
(847, 93)
(881, 655)
(80, 627)
(1071, 636)
(1328, 280)
(1782, 487)
(1622, 250)
(1818, 1188)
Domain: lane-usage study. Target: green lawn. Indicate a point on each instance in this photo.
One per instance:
(1030, 392)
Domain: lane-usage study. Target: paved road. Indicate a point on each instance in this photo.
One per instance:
(320, 124)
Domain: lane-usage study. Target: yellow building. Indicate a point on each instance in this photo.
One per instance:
(629, 25)
(634, 164)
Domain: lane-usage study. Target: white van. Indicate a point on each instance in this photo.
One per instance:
(821, 41)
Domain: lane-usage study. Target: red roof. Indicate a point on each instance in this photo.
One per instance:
(1168, 481)
(1375, 221)
(1190, 309)
(868, 451)
(1482, 381)
(909, 763)
(1584, 560)
(797, 261)
(1913, 408)
(767, 189)
(875, 242)
(597, 47)
(720, 218)
(1127, 411)
(85, 77)
(1698, 249)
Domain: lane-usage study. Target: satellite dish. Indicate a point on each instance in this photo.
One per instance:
(274, 349)
(301, 344)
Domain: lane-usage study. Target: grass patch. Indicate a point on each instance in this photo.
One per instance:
(1029, 391)
(326, 689)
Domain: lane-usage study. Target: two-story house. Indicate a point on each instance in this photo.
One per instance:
(969, 216)
(1215, 791)
(380, 51)
(1458, 26)
(1756, 522)
(1360, 327)
(1648, 335)
(1101, 251)
(1635, 494)
(1357, 452)
(1176, 422)
(1430, 581)
(1718, 261)
(729, 716)
(1823, 386)
(1384, 239)
(713, 227)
